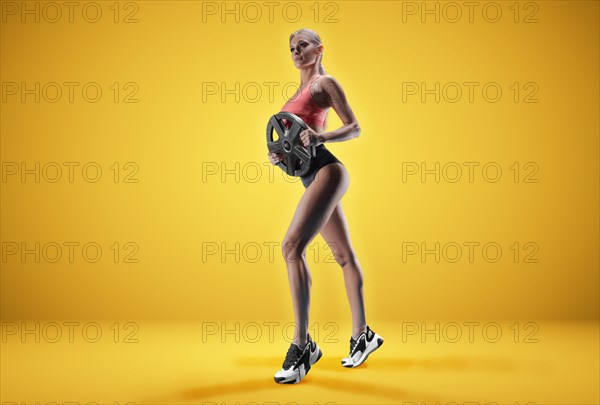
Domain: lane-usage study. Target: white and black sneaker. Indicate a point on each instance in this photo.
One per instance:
(360, 348)
(297, 362)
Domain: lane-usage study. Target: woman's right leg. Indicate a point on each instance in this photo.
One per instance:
(336, 234)
(313, 211)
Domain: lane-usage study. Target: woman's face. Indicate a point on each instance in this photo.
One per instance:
(304, 52)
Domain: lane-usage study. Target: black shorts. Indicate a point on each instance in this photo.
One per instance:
(322, 158)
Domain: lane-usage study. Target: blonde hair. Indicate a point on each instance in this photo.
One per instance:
(315, 39)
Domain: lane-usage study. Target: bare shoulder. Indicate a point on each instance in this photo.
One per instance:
(335, 97)
(328, 90)
(329, 83)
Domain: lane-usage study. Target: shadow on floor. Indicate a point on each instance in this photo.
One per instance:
(349, 385)
(332, 383)
(398, 364)
(344, 379)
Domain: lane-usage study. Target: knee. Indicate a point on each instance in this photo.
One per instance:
(345, 257)
(293, 249)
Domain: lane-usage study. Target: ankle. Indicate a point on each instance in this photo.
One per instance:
(356, 333)
(301, 342)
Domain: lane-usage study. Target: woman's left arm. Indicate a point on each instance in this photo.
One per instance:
(336, 98)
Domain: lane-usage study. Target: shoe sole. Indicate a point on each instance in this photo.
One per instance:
(371, 347)
(300, 372)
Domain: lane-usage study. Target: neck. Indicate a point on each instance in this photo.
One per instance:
(307, 74)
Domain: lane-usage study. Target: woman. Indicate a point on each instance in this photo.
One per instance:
(319, 210)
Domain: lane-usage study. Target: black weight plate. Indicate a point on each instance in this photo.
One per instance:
(297, 158)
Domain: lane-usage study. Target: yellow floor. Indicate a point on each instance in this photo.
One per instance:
(194, 363)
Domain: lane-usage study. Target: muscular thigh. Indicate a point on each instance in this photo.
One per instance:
(317, 203)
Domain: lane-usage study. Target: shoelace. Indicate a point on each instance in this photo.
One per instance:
(352, 344)
(292, 356)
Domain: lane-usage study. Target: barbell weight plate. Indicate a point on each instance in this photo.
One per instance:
(289, 143)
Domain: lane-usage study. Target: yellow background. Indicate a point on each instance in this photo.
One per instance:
(172, 135)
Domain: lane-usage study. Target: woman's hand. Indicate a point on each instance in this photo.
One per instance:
(310, 137)
(275, 158)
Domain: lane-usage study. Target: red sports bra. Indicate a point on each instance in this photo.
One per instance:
(305, 107)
